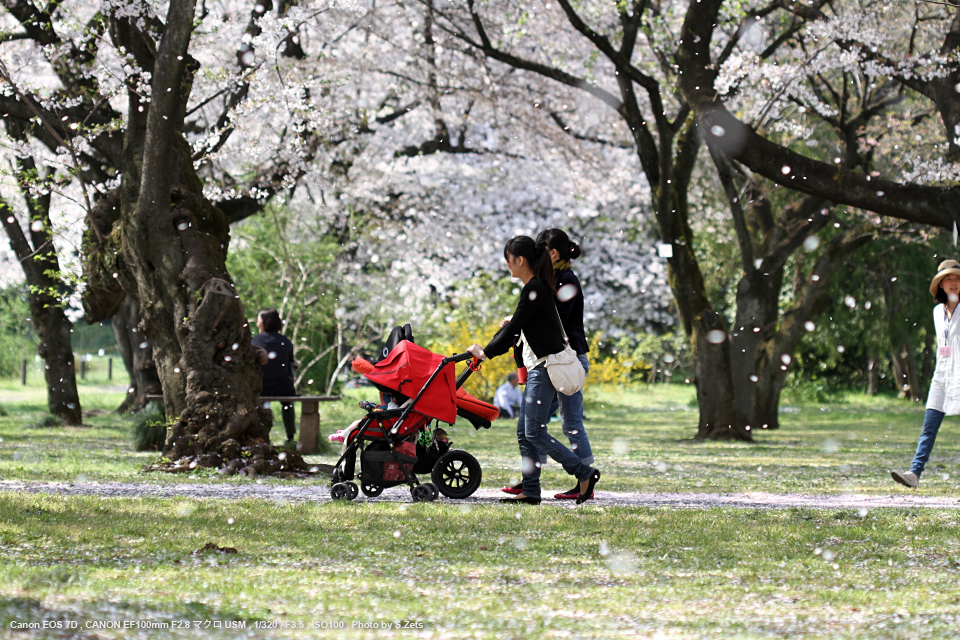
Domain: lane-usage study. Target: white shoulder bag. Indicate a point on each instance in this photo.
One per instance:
(565, 369)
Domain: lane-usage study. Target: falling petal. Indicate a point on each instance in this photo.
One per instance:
(622, 563)
(620, 447)
(716, 336)
(567, 292)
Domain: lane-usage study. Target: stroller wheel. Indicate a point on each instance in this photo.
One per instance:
(354, 490)
(371, 490)
(423, 493)
(341, 491)
(434, 489)
(457, 474)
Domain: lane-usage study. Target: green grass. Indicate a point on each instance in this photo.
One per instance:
(489, 571)
(641, 437)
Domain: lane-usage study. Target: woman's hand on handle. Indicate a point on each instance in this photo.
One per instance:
(477, 351)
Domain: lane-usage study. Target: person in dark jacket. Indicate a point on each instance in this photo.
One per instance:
(277, 366)
(536, 323)
(569, 299)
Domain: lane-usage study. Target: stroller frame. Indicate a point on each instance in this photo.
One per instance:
(393, 427)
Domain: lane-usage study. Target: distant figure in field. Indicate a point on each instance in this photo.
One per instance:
(508, 397)
(944, 396)
(277, 365)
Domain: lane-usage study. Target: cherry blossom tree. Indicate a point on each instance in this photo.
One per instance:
(648, 63)
(143, 104)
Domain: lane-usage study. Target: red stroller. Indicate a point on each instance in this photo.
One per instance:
(386, 440)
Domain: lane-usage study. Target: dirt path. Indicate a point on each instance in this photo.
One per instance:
(319, 493)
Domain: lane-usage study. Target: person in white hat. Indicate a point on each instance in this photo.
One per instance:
(944, 396)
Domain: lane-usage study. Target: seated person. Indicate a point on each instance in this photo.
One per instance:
(277, 366)
(508, 397)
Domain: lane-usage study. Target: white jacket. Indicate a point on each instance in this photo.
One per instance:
(944, 393)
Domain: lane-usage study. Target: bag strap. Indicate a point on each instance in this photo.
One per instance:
(566, 340)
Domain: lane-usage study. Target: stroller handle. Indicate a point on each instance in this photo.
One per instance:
(460, 357)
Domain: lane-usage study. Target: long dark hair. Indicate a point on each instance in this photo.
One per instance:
(536, 255)
(559, 240)
(941, 295)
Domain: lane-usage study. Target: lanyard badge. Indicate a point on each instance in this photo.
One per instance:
(945, 350)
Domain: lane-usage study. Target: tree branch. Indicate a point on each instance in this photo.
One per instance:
(926, 204)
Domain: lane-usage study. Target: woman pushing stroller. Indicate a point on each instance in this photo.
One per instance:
(537, 324)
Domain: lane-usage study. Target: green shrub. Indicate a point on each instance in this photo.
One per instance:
(47, 422)
(150, 428)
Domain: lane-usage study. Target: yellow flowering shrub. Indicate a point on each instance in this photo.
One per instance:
(456, 337)
(617, 367)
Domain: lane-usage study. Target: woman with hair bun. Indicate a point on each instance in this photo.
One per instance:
(536, 323)
(570, 306)
(569, 300)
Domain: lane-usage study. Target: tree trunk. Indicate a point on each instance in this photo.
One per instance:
(53, 330)
(192, 315)
(758, 297)
(873, 377)
(174, 246)
(905, 370)
(703, 326)
(38, 258)
(905, 373)
(811, 293)
(137, 357)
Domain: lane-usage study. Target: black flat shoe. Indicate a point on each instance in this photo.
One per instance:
(591, 483)
(521, 500)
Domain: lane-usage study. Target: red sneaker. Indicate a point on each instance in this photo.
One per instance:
(515, 490)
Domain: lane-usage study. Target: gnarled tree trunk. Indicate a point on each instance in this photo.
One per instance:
(137, 357)
(174, 244)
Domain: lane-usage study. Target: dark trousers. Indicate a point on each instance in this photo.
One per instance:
(289, 420)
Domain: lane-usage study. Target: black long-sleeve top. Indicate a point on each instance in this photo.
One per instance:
(536, 316)
(571, 310)
(278, 372)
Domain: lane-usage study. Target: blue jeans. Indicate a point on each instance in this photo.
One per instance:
(931, 425)
(533, 438)
(571, 416)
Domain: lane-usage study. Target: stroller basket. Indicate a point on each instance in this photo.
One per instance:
(380, 464)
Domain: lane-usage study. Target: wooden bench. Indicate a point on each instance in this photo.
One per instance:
(309, 416)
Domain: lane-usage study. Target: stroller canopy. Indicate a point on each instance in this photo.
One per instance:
(406, 369)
